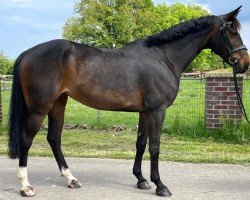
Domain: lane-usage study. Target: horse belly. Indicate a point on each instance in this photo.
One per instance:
(102, 99)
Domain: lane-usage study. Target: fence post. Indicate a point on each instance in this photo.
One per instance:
(98, 116)
(221, 103)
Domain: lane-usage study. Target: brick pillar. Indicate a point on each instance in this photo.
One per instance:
(221, 102)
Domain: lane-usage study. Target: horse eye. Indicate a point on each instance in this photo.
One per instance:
(235, 33)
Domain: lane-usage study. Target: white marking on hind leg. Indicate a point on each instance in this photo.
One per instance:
(27, 189)
(72, 181)
(23, 177)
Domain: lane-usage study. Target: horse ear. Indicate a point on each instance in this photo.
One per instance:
(232, 15)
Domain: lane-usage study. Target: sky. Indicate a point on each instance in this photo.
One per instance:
(26, 23)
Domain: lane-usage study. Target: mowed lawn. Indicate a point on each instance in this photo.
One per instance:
(121, 145)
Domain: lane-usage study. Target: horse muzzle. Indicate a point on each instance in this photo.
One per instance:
(239, 66)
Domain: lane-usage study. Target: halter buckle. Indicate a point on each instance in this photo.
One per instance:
(232, 60)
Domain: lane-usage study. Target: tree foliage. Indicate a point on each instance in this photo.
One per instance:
(110, 23)
(113, 23)
(6, 64)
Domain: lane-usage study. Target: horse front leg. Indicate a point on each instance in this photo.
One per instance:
(56, 121)
(155, 122)
(140, 149)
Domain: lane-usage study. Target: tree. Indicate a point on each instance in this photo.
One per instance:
(6, 64)
(113, 23)
(110, 23)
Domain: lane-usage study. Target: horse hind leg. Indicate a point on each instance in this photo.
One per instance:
(155, 122)
(56, 121)
(140, 149)
(34, 121)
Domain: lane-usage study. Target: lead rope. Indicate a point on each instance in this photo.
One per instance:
(239, 98)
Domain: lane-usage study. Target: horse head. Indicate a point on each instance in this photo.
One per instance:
(227, 42)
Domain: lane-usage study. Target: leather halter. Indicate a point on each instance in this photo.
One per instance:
(232, 60)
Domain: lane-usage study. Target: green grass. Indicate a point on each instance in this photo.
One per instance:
(103, 144)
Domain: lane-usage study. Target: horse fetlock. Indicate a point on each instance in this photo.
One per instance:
(28, 191)
(74, 184)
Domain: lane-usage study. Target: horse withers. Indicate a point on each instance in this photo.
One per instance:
(143, 76)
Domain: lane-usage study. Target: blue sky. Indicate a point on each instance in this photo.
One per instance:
(25, 23)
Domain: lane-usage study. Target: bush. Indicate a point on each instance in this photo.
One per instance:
(6, 64)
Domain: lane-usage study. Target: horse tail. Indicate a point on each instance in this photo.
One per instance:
(18, 113)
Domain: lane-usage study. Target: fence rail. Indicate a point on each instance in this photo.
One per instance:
(187, 108)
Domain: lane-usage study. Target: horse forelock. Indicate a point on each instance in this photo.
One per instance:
(180, 30)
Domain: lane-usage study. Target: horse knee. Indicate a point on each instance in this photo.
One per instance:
(154, 151)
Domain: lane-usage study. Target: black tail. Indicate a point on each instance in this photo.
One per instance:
(17, 113)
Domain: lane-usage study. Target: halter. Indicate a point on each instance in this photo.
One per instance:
(233, 61)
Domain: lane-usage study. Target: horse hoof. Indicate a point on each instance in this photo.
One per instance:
(143, 186)
(163, 192)
(74, 184)
(28, 192)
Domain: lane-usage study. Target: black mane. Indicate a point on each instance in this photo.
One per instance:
(180, 30)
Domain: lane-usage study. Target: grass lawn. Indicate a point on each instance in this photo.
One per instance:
(103, 144)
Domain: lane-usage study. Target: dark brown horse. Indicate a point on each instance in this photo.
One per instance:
(142, 76)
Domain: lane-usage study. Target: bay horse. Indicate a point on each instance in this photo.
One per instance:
(143, 76)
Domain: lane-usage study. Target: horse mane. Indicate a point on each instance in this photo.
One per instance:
(180, 30)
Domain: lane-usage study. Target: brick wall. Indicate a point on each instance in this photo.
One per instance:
(221, 102)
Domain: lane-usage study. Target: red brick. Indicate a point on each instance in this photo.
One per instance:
(209, 107)
(228, 112)
(212, 102)
(220, 107)
(228, 94)
(235, 116)
(220, 89)
(228, 84)
(209, 116)
(209, 89)
(213, 84)
(216, 112)
(239, 79)
(221, 97)
(238, 112)
(213, 121)
(232, 98)
(231, 89)
(227, 102)
(222, 79)
(235, 107)
(215, 94)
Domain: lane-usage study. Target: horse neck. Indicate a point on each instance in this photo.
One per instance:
(180, 53)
